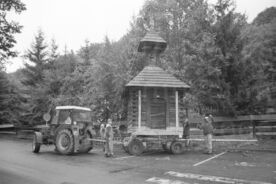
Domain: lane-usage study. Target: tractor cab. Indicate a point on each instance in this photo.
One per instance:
(71, 115)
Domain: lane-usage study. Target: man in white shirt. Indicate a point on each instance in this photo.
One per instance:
(109, 139)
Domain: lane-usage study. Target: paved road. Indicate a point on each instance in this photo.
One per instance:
(18, 165)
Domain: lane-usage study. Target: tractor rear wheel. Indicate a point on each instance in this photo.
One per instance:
(176, 147)
(65, 142)
(135, 147)
(35, 144)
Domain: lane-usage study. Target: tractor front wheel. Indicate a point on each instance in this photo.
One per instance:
(65, 142)
(35, 144)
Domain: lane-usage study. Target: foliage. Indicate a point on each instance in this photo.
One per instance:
(10, 101)
(259, 57)
(8, 28)
(37, 62)
(265, 16)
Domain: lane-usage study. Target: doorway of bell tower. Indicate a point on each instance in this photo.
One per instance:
(158, 113)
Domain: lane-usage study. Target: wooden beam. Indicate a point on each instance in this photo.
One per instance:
(147, 105)
(265, 133)
(264, 117)
(103, 141)
(139, 109)
(222, 140)
(6, 126)
(242, 119)
(167, 108)
(176, 109)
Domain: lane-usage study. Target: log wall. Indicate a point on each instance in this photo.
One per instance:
(148, 94)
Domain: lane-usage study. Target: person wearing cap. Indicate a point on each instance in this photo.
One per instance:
(109, 139)
(207, 128)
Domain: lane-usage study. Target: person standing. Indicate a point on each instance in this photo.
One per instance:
(102, 134)
(109, 139)
(186, 131)
(207, 128)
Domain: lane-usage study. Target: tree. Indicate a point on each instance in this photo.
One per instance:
(53, 55)
(37, 62)
(227, 29)
(10, 101)
(8, 28)
(85, 54)
(265, 16)
(259, 60)
(37, 59)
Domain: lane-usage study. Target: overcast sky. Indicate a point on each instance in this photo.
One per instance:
(71, 22)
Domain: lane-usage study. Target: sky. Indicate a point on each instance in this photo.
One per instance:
(71, 22)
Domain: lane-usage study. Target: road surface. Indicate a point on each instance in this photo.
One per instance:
(18, 165)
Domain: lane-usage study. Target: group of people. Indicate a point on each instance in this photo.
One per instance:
(106, 132)
(207, 128)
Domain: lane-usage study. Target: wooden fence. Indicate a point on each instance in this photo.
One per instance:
(260, 125)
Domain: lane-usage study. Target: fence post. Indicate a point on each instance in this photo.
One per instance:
(253, 126)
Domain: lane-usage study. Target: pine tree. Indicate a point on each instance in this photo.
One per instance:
(53, 55)
(37, 59)
(34, 74)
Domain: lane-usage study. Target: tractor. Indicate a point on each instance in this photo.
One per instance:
(70, 130)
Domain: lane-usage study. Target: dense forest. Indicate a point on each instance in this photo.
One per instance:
(229, 63)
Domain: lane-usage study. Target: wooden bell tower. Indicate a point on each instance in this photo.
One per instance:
(155, 105)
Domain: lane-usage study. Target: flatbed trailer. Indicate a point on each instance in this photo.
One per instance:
(136, 145)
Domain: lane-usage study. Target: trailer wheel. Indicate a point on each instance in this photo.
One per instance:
(65, 142)
(135, 147)
(35, 144)
(176, 147)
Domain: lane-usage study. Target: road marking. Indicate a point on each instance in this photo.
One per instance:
(212, 178)
(199, 163)
(244, 164)
(121, 158)
(164, 181)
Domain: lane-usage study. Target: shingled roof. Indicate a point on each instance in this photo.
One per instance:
(153, 76)
(152, 38)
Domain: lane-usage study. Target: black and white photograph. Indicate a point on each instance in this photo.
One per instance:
(138, 92)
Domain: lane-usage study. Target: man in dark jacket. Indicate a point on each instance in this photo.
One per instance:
(186, 131)
(207, 128)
